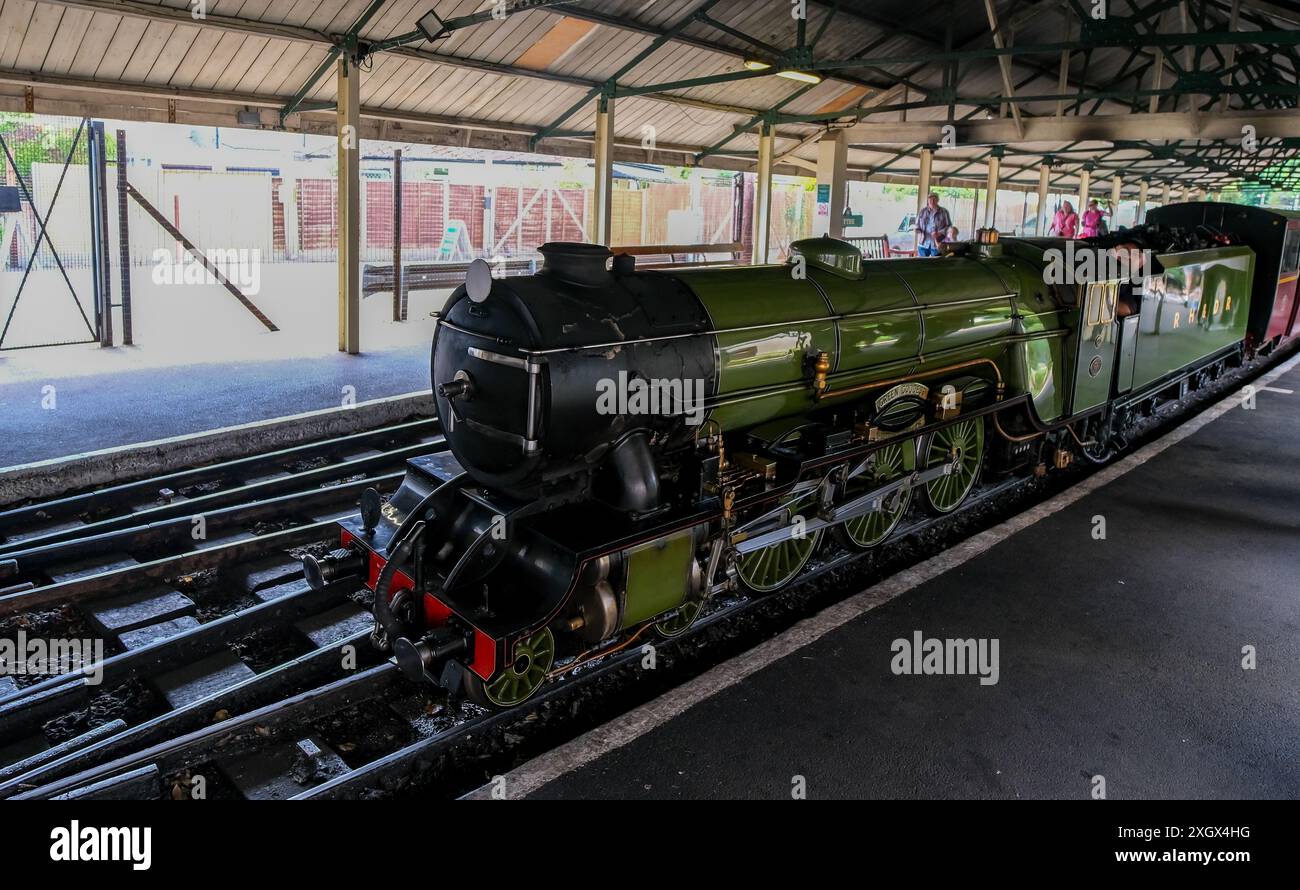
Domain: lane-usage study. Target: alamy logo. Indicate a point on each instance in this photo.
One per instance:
(22, 657)
(91, 844)
(241, 267)
(921, 656)
(1085, 265)
(638, 395)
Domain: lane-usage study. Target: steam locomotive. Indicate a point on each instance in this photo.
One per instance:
(626, 444)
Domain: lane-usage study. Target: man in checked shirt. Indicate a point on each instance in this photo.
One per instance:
(932, 225)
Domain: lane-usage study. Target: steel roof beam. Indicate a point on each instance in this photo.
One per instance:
(1161, 125)
(333, 41)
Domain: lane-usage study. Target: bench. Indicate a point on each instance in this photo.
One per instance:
(876, 247)
(670, 253)
(377, 278)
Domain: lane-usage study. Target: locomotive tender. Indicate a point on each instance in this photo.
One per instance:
(834, 390)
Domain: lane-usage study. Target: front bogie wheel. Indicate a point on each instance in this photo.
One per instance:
(533, 657)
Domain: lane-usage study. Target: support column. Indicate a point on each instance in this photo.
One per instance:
(349, 205)
(1116, 189)
(602, 216)
(399, 279)
(1085, 183)
(763, 195)
(292, 222)
(1143, 188)
(124, 238)
(489, 208)
(923, 183)
(832, 179)
(1044, 183)
(991, 204)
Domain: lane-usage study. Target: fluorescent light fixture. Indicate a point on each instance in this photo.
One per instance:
(757, 65)
(801, 76)
(429, 25)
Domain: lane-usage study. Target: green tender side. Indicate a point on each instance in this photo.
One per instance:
(1199, 306)
(877, 320)
(658, 577)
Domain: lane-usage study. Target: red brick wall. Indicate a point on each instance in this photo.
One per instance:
(318, 214)
(277, 216)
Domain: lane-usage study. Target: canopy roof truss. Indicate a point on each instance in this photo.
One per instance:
(1143, 94)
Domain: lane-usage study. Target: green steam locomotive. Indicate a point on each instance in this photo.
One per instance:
(626, 444)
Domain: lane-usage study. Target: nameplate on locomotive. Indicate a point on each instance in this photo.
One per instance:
(903, 390)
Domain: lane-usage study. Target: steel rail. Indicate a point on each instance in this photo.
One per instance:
(238, 471)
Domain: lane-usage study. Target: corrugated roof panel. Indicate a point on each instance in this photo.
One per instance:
(57, 39)
(118, 53)
(63, 49)
(38, 38)
(297, 64)
(195, 58)
(218, 61)
(14, 21)
(172, 54)
(146, 52)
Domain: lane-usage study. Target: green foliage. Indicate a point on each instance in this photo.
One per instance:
(33, 139)
(898, 191)
(952, 192)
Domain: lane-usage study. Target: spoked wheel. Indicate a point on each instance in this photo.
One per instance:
(533, 659)
(869, 529)
(963, 441)
(678, 624)
(770, 569)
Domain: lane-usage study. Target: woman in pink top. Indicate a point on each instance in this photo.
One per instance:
(1066, 221)
(1091, 220)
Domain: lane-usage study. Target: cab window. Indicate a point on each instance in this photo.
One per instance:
(1101, 299)
(1291, 251)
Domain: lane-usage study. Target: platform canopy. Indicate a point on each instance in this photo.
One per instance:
(1199, 93)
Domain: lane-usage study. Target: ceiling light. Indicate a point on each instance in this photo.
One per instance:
(757, 65)
(430, 26)
(802, 76)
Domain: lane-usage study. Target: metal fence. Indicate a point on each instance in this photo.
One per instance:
(48, 252)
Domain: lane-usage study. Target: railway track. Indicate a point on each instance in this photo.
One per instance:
(206, 489)
(188, 578)
(110, 542)
(333, 720)
(287, 730)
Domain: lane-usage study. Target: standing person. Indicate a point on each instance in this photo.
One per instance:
(1066, 221)
(932, 223)
(1093, 221)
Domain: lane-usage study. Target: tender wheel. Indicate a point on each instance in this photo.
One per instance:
(869, 529)
(965, 441)
(533, 659)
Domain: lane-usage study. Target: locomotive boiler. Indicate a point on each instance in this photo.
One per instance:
(625, 444)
